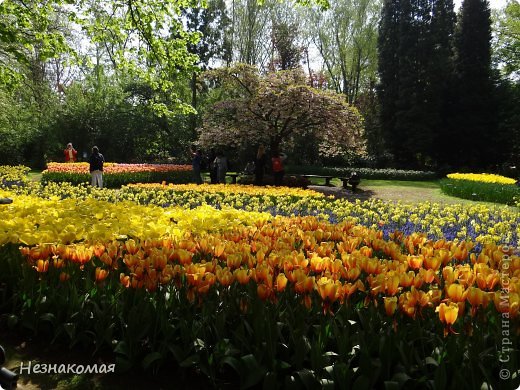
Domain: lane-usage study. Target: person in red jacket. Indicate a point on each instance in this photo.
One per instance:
(70, 153)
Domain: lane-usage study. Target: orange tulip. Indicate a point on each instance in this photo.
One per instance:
(98, 249)
(242, 275)
(131, 246)
(392, 284)
(406, 279)
(390, 305)
(184, 256)
(225, 277)
(234, 260)
(327, 289)
(432, 263)
(281, 282)
(101, 274)
(64, 277)
(58, 263)
(125, 280)
(263, 291)
(415, 262)
(42, 266)
(448, 314)
(475, 296)
(456, 292)
(159, 261)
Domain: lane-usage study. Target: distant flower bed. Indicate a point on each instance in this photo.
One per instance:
(112, 168)
(482, 177)
(11, 176)
(116, 175)
(482, 187)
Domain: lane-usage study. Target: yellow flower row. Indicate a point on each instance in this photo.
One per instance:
(482, 177)
(13, 174)
(232, 189)
(32, 220)
(481, 223)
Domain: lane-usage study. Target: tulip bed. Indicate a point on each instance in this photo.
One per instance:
(482, 187)
(116, 175)
(267, 287)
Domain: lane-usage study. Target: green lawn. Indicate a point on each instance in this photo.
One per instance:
(401, 183)
(35, 175)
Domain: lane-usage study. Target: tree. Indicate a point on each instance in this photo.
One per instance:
(346, 37)
(507, 46)
(250, 24)
(275, 108)
(441, 77)
(388, 69)
(415, 68)
(213, 25)
(475, 122)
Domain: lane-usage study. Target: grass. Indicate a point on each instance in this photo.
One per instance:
(400, 183)
(35, 175)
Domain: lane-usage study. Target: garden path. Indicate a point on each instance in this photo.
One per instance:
(391, 193)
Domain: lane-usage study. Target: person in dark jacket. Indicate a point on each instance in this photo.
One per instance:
(260, 161)
(96, 161)
(196, 163)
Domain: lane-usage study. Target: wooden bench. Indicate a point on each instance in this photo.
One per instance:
(6, 201)
(233, 177)
(327, 178)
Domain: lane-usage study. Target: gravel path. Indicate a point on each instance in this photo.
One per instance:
(392, 193)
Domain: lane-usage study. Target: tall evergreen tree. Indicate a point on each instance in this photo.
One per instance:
(413, 114)
(388, 68)
(476, 113)
(415, 68)
(441, 78)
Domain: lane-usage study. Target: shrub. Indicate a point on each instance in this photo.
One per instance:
(365, 173)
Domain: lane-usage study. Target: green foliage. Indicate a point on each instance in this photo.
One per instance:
(346, 37)
(507, 44)
(365, 173)
(486, 192)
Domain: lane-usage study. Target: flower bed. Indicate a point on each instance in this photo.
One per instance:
(478, 222)
(13, 176)
(482, 178)
(116, 175)
(266, 286)
(482, 187)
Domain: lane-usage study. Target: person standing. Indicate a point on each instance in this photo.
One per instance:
(260, 161)
(196, 165)
(212, 167)
(222, 167)
(277, 167)
(96, 161)
(70, 153)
